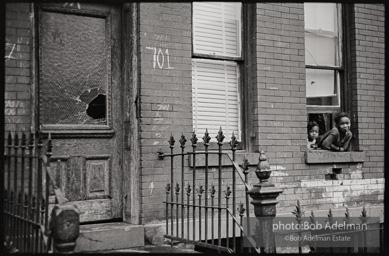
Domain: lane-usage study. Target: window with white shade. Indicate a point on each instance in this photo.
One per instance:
(217, 54)
(323, 61)
(217, 28)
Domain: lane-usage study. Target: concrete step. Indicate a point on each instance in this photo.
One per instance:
(109, 236)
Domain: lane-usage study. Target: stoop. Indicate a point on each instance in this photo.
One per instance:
(109, 236)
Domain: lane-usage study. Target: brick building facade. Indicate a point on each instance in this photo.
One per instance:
(157, 101)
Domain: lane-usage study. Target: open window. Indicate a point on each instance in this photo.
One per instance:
(323, 62)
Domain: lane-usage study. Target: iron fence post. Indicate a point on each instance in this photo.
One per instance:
(264, 196)
(220, 137)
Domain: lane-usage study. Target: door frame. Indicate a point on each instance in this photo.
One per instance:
(132, 186)
(130, 74)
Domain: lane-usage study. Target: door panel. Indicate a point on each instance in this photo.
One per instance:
(80, 103)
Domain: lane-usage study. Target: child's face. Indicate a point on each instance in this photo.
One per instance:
(314, 132)
(344, 124)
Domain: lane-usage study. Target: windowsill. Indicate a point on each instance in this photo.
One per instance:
(213, 159)
(326, 156)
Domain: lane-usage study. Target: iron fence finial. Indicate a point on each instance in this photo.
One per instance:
(200, 190)
(31, 139)
(16, 140)
(298, 212)
(363, 216)
(177, 188)
(182, 140)
(25, 199)
(220, 136)
(212, 190)
(234, 142)
(206, 137)
(188, 189)
(171, 141)
(9, 139)
(24, 141)
(194, 139)
(228, 191)
(330, 217)
(167, 188)
(241, 209)
(347, 216)
(263, 164)
(245, 166)
(312, 218)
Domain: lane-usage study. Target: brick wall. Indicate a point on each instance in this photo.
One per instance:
(17, 67)
(280, 103)
(280, 108)
(368, 53)
(166, 93)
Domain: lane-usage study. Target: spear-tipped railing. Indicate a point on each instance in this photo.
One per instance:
(29, 180)
(213, 217)
(212, 208)
(357, 236)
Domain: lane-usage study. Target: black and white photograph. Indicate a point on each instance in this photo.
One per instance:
(181, 127)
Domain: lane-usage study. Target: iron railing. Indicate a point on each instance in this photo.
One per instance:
(215, 207)
(360, 236)
(29, 184)
(212, 209)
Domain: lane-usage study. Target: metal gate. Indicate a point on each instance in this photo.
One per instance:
(30, 195)
(212, 208)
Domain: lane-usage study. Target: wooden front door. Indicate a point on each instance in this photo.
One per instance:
(80, 103)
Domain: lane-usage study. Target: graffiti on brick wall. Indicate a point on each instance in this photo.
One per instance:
(161, 58)
(151, 187)
(11, 48)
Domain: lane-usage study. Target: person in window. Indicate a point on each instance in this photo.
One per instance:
(313, 133)
(338, 138)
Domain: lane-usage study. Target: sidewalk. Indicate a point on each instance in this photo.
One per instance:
(158, 249)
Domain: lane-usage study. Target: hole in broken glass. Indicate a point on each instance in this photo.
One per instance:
(97, 107)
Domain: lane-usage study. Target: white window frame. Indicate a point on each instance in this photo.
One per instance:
(217, 57)
(338, 69)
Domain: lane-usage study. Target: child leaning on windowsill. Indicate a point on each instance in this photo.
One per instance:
(339, 137)
(313, 133)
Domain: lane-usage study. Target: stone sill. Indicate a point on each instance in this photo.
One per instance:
(325, 156)
(213, 159)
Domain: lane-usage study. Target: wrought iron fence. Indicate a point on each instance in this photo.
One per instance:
(211, 208)
(29, 184)
(360, 236)
(198, 212)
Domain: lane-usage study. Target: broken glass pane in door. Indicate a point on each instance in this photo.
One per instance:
(74, 69)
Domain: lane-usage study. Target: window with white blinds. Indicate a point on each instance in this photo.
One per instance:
(217, 28)
(215, 71)
(216, 97)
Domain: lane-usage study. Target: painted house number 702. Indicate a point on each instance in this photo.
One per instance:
(159, 58)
